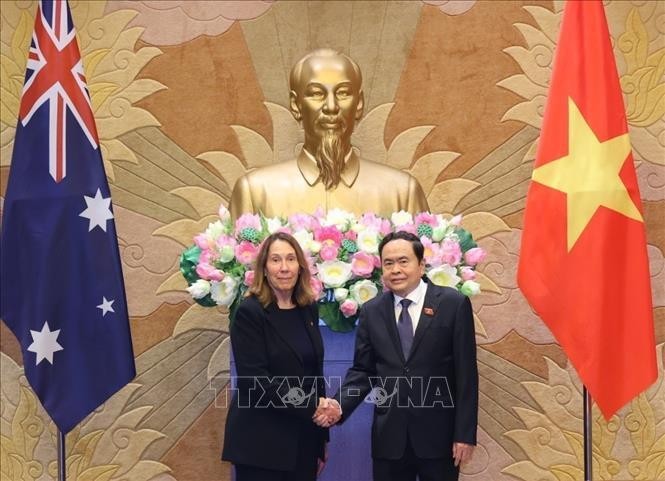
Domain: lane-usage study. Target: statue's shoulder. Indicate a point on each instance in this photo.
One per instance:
(268, 173)
(369, 167)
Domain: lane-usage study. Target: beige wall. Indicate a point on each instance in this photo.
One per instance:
(190, 95)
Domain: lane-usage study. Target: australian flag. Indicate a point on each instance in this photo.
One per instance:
(62, 289)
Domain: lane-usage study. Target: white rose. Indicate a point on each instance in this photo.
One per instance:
(470, 288)
(401, 218)
(304, 238)
(339, 218)
(199, 289)
(341, 294)
(215, 230)
(334, 273)
(273, 223)
(363, 291)
(224, 291)
(368, 241)
(444, 275)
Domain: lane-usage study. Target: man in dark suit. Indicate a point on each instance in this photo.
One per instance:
(416, 352)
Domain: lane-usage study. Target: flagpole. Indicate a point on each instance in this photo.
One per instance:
(62, 468)
(588, 431)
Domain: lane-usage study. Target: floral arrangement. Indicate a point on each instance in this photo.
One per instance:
(342, 252)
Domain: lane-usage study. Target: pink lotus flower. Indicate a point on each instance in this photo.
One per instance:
(247, 221)
(285, 229)
(208, 272)
(201, 241)
(467, 273)
(226, 240)
(451, 253)
(362, 264)
(329, 235)
(408, 227)
(474, 256)
(457, 220)
(426, 218)
(371, 221)
(385, 228)
(246, 252)
(377, 261)
(303, 221)
(351, 235)
(224, 213)
(317, 286)
(328, 252)
(249, 278)
(432, 252)
(349, 307)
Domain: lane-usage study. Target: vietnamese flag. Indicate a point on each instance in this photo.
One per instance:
(583, 264)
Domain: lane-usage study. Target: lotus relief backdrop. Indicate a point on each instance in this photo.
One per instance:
(190, 95)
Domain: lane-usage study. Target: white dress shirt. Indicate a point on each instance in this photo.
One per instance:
(417, 298)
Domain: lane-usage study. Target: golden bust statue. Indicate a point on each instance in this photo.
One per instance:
(327, 99)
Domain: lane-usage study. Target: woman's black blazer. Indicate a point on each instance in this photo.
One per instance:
(273, 403)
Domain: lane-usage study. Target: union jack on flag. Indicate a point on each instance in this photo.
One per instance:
(62, 290)
(55, 75)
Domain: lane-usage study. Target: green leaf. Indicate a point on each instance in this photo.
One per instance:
(188, 261)
(466, 241)
(332, 316)
(206, 301)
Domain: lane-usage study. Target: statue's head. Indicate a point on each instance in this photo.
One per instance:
(326, 97)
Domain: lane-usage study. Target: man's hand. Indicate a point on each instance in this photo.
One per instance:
(327, 413)
(462, 452)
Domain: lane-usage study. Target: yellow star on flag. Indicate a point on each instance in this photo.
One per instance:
(588, 175)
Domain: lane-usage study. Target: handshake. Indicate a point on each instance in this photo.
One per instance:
(328, 412)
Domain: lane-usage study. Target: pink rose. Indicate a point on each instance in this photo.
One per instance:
(451, 253)
(426, 218)
(349, 307)
(362, 264)
(328, 235)
(208, 272)
(328, 252)
(201, 241)
(247, 221)
(467, 273)
(246, 252)
(249, 278)
(474, 256)
(317, 286)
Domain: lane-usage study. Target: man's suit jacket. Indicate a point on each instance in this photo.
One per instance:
(432, 396)
(261, 428)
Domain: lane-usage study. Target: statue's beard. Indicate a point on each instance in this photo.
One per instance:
(330, 154)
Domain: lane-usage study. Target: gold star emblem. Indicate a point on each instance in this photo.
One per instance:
(589, 175)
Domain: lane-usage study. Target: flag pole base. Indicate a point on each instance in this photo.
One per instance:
(588, 438)
(62, 467)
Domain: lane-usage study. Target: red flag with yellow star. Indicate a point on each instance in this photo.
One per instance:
(583, 264)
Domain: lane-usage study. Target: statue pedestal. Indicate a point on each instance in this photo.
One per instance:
(349, 450)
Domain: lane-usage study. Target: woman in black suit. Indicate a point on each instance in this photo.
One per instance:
(278, 351)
